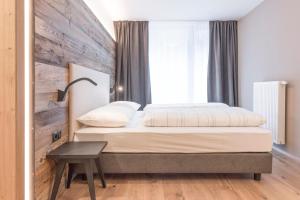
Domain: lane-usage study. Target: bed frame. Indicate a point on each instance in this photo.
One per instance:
(85, 97)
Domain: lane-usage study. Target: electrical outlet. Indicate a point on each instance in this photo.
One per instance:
(56, 136)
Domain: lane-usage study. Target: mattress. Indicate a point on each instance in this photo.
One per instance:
(203, 117)
(136, 138)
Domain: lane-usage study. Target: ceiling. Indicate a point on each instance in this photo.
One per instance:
(178, 9)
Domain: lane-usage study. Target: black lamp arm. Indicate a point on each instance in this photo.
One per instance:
(62, 94)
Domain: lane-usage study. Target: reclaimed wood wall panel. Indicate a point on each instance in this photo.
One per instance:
(48, 79)
(66, 31)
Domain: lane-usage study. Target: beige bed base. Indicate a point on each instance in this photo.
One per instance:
(85, 97)
(187, 163)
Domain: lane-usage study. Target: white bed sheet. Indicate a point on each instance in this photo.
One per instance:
(136, 138)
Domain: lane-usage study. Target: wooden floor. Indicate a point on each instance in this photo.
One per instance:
(282, 184)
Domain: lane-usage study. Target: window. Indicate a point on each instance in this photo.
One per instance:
(178, 56)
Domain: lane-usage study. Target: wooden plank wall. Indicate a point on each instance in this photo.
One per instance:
(66, 31)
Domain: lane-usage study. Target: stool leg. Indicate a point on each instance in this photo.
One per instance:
(58, 174)
(100, 172)
(88, 165)
(71, 176)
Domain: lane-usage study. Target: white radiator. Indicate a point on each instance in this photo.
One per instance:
(269, 101)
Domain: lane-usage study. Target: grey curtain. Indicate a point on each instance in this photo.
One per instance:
(223, 63)
(132, 70)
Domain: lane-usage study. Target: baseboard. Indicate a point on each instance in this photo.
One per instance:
(287, 154)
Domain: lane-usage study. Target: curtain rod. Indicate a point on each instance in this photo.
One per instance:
(175, 20)
(164, 20)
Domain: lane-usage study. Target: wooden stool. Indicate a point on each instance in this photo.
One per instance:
(85, 153)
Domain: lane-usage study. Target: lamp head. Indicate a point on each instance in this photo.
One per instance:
(120, 88)
(116, 88)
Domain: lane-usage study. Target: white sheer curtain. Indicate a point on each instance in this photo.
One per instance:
(178, 56)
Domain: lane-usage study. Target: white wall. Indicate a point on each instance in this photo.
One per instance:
(103, 16)
(269, 49)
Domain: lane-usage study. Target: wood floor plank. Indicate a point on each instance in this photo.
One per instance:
(194, 187)
(282, 184)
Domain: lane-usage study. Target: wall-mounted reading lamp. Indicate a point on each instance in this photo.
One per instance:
(62, 94)
(116, 88)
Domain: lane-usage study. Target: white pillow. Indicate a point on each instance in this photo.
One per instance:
(131, 104)
(111, 116)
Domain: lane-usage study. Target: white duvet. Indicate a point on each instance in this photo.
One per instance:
(208, 116)
(150, 107)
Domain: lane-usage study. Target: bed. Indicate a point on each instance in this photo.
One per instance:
(140, 149)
